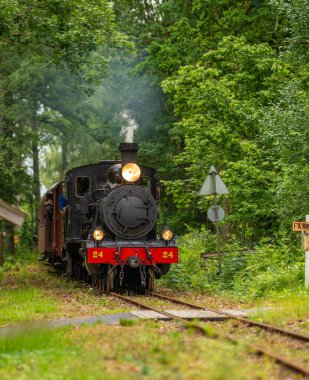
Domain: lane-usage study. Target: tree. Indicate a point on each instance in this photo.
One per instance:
(220, 101)
(36, 37)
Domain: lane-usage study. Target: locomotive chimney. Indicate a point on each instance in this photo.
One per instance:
(128, 152)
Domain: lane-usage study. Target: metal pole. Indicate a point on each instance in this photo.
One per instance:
(217, 233)
(216, 219)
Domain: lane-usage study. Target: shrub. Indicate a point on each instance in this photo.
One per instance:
(271, 269)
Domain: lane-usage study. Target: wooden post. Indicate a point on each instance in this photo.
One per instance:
(306, 248)
(1, 249)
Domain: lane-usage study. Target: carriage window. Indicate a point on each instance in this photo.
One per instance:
(82, 186)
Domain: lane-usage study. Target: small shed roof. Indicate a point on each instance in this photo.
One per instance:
(11, 213)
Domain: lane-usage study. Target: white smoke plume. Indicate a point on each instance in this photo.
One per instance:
(130, 126)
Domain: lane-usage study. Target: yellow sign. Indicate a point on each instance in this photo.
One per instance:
(300, 226)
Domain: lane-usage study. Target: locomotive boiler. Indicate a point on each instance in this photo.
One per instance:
(99, 224)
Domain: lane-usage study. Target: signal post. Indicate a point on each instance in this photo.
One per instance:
(214, 185)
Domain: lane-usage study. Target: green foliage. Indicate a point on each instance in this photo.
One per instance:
(47, 49)
(60, 32)
(14, 178)
(188, 274)
(190, 29)
(271, 270)
(285, 136)
(219, 100)
(227, 69)
(127, 322)
(235, 81)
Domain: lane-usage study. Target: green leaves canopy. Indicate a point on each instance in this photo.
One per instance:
(58, 32)
(221, 101)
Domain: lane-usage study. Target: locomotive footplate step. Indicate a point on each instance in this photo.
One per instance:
(188, 314)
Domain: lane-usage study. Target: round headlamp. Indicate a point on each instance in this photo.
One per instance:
(98, 235)
(131, 172)
(167, 234)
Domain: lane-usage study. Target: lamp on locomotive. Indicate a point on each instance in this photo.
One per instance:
(131, 172)
(98, 234)
(167, 234)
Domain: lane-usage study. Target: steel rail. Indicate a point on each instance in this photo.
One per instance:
(264, 326)
(140, 304)
(252, 348)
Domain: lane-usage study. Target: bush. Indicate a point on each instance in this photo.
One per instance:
(18, 261)
(271, 269)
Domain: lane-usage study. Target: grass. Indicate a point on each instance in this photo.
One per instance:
(30, 291)
(24, 340)
(144, 350)
(24, 304)
(32, 354)
(127, 322)
(289, 311)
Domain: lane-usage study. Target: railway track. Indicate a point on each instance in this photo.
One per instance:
(295, 367)
(265, 326)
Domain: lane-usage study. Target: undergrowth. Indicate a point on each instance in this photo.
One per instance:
(272, 269)
(18, 261)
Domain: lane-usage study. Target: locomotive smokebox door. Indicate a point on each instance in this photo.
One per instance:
(128, 152)
(130, 212)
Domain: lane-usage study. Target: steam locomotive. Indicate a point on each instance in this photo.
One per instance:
(99, 225)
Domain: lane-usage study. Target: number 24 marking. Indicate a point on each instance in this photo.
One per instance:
(96, 254)
(167, 255)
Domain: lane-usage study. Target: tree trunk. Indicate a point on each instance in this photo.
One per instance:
(64, 154)
(32, 223)
(36, 174)
(35, 164)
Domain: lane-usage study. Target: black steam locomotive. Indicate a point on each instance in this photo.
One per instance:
(99, 224)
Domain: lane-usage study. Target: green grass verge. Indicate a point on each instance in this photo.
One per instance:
(145, 350)
(24, 304)
(30, 291)
(287, 311)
